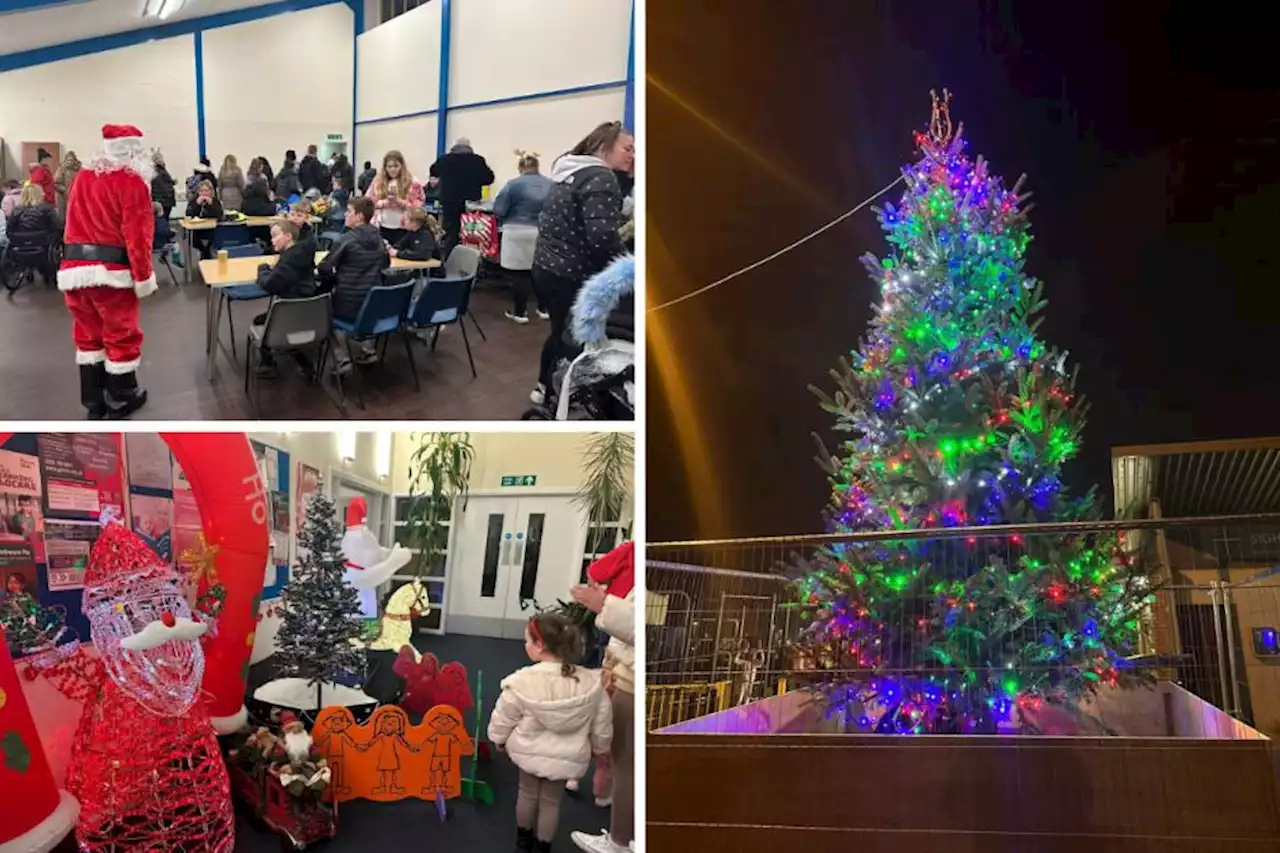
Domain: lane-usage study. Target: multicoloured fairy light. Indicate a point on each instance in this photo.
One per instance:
(959, 416)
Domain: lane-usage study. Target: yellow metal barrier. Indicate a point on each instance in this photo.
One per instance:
(669, 704)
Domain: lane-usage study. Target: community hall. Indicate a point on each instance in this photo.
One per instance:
(394, 209)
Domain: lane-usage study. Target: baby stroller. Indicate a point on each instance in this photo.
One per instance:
(597, 381)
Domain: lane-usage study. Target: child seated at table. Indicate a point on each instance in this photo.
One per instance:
(204, 206)
(353, 268)
(418, 243)
(292, 277)
(300, 215)
(164, 231)
(340, 195)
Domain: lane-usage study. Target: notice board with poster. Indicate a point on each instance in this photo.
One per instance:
(273, 465)
(53, 488)
(151, 502)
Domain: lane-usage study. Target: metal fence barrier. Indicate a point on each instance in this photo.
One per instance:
(723, 619)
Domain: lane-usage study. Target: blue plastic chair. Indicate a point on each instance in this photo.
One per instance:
(443, 302)
(385, 310)
(229, 234)
(240, 292)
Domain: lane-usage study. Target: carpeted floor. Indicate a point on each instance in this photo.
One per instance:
(413, 824)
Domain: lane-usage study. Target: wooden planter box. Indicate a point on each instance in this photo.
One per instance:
(824, 792)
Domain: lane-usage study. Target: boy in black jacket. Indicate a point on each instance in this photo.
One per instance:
(300, 215)
(419, 244)
(354, 267)
(292, 277)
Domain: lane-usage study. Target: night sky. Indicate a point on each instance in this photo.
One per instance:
(1148, 133)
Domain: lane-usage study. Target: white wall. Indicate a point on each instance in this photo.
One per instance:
(77, 21)
(505, 48)
(278, 83)
(399, 71)
(415, 138)
(151, 85)
(499, 49)
(549, 126)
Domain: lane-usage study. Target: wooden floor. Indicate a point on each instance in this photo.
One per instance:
(38, 379)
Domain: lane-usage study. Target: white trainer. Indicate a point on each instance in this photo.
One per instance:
(601, 843)
(516, 318)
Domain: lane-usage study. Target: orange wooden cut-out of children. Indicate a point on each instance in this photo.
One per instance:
(447, 736)
(386, 759)
(333, 736)
(388, 742)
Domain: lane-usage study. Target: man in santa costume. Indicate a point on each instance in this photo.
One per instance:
(107, 269)
(369, 565)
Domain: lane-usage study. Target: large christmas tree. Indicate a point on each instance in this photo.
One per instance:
(321, 614)
(960, 415)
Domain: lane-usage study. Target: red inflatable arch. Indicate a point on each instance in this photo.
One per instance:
(232, 498)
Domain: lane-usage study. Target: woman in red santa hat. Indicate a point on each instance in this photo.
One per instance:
(107, 269)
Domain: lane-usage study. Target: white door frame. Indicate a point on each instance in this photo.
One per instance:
(515, 492)
(448, 558)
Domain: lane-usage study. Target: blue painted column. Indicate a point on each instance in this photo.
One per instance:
(200, 136)
(629, 103)
(442, 108)
(357, 20)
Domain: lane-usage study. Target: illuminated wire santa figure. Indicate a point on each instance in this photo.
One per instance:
(145, 763)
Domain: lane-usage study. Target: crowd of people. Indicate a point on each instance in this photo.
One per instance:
(556, 230)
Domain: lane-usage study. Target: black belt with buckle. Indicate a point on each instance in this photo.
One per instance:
(101, 254)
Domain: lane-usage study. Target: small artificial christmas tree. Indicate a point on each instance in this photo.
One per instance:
(961, 416)
(321, 618)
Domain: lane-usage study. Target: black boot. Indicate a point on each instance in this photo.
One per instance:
(524, 840)
(541, 846)
(93, 382)
(124, 397)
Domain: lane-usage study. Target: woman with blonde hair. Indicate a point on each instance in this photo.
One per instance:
(64, 178)
(231, 184)
(518, 205)
(34, 224)
(393, 192)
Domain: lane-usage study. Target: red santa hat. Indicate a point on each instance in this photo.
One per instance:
(357, 512)
(119, 560)
(120, 131)
(616, 570)
(287, 720)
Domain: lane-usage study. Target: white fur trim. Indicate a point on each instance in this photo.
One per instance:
(95, 275)
(119, 368)
(46, 835)
(124, 154)
(232, 724)
(146, 288)
(95, 357)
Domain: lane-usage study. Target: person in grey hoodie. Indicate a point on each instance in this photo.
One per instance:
(578, 232)
(517, 207)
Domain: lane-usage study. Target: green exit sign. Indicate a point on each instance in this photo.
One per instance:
(520, 480)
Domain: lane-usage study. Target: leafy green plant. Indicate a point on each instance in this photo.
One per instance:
(439, 474)
(606, 483)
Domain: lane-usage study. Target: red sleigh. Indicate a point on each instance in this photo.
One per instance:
(299, 823)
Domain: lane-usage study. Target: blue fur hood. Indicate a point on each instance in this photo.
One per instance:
(599, 296)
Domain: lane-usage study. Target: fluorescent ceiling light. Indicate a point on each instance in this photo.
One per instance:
(162, 9)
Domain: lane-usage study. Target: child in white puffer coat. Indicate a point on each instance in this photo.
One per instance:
(551, 718)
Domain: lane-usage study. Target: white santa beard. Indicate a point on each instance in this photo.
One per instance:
(298, 746)
(124, 154)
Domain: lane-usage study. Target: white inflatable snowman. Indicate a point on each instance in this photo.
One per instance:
(369, 565)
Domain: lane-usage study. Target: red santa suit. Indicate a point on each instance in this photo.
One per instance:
(107, 268)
